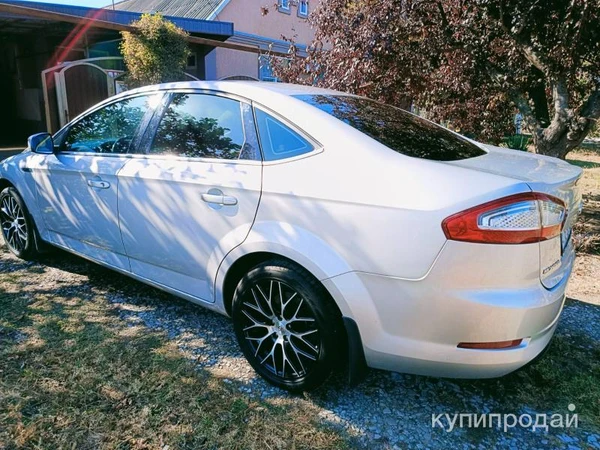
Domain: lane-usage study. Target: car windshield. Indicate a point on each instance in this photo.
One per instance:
(397, 129)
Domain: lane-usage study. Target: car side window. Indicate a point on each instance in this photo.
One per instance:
(205, 126)
(279, 141)
(110, 129)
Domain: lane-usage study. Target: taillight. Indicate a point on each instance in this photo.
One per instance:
(516, 219)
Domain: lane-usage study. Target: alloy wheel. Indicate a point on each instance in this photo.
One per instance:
(14, 225)
(281, 329)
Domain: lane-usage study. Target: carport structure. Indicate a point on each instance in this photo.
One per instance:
(57, 60)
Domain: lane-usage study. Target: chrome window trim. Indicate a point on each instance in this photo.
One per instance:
(167, 92)
(206, 92)
(167, 157)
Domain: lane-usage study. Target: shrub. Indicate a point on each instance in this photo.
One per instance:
(156, 52)
(516, 142)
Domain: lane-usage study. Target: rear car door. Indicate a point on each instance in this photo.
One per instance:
(77, 186)
(192, 197)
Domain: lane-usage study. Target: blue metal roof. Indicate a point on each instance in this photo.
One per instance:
(192, 26)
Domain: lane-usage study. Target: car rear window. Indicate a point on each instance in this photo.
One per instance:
(397, 129)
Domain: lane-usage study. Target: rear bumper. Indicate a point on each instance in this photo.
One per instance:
(414, 326)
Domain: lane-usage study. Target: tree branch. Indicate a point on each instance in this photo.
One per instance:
(518, 31)
(591, 108)
(520, 40)
(519, 98)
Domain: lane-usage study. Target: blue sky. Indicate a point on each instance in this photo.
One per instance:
(91, 3)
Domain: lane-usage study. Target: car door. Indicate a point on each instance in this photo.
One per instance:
(193, 197)
(77, 186)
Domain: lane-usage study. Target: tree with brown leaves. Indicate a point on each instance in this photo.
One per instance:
(472, 63)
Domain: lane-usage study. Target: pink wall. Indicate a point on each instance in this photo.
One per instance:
(235, 63)
(246, 16)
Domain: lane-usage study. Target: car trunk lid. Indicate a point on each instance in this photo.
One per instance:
(546, 175)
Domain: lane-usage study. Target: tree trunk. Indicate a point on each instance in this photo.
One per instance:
(554, 145)
(559, 140)
(568, 128)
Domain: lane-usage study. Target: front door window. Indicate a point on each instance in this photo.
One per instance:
(110, 129)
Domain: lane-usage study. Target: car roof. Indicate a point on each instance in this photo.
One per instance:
(253, 90)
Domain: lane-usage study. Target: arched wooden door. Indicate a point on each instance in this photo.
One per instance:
(83, 85)
(72, 87)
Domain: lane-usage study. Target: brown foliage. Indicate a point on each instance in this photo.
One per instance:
(470, 63)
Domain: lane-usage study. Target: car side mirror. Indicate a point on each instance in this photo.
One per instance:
(41, 143)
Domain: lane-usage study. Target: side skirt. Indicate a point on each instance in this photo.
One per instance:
(175, 292)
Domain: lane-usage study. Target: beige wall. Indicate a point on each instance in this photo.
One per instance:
(231, 63)
(246, 16)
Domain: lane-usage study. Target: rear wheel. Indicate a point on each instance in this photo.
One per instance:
(17, 227)
(287, 326)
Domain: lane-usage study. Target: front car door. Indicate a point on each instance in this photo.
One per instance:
(77, 186)
(194, 196)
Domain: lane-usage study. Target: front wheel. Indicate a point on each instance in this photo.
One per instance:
(287, 326)
(17, 227)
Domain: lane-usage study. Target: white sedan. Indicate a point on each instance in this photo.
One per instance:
(334, 230)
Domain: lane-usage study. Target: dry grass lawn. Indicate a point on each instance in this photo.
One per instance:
(74, 375)
(585, 283)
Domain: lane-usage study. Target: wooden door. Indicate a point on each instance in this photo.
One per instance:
(84, 86)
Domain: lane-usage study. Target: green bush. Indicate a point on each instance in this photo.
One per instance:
(156, 52)
(516, 142)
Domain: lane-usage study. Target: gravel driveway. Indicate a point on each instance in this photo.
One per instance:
(388, 410)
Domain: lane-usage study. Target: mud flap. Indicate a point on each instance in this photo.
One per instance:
(357, 365)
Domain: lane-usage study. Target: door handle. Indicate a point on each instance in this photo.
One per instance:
(98, 184)
(216, 197)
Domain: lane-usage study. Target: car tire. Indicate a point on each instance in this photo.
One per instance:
(17, 226)
(287, 326)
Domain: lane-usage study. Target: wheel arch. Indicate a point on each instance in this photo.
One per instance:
(351, 341)
(4, 183)
(274, 239)
(242, 265)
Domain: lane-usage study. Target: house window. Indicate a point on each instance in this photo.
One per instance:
(191, 61)
(284, 6)
(303, 8)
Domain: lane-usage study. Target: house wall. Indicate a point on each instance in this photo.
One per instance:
(230, 63)
(247, 17)
(253, 28)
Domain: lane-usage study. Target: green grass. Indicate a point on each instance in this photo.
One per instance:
(73, 375)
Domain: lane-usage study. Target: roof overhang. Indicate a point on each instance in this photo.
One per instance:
(206, 28)
(202, 32)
